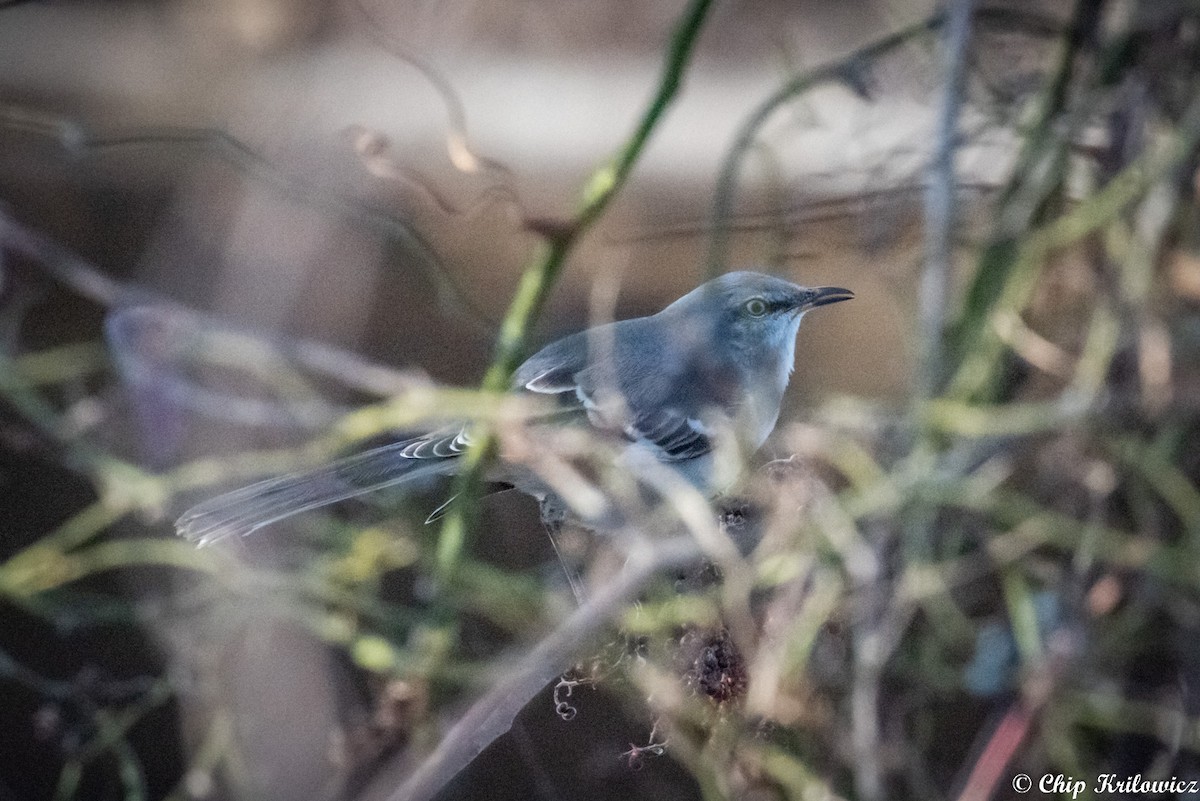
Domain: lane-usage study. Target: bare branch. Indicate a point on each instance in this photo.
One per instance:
(493, 714)
(940, 193)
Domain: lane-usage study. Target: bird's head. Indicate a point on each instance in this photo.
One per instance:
(755, 315)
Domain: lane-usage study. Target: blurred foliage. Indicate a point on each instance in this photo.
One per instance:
(1001, 577)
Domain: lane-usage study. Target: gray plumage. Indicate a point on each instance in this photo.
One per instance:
(720, 356)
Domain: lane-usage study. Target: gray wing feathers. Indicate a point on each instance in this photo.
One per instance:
(675, 436)
(552, 370)
(660, 415)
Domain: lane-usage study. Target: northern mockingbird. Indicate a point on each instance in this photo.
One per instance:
(714, 362)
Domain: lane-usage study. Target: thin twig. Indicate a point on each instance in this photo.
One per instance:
(458, 144)
(539, 278)
(1014, 729)
(845, 69)
(975, 373)
(1036, 178)
(940, 193)
(78, 139)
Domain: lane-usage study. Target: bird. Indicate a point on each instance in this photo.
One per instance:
(666, 386)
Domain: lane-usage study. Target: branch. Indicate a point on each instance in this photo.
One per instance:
(492, 715)
(539, 277)
(77, 139)
(847, 69)
(1014, 287)
(940, 192)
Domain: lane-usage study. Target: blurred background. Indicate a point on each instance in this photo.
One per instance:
(226, 225)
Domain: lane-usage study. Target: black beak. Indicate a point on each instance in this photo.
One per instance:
(823, 296)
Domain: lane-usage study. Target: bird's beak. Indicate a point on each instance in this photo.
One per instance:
(823, 296)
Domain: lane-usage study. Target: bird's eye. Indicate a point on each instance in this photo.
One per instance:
(756, 307)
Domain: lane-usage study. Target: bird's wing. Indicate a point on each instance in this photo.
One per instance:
(552, 370)
(673, 435)
(654, 416)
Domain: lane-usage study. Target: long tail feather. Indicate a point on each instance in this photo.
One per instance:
(248, 509)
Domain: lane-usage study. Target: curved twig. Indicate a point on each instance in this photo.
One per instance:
(848, 70)
(76, 138)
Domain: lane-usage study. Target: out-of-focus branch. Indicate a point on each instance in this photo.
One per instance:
(848, 69)
(179, 334)
(603, 185)
(940, 192)
(110, 738)
(989, 769)
(493, 714)
(17, 391)
(1016, 284)
(77, 139)
(458, 143)
(66, 267)
(1036, 178)
(868, 663)
(539, 277)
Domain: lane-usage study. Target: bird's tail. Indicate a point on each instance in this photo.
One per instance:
(248, 509)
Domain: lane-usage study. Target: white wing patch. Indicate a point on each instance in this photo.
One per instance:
(552, 382)
(440, 445)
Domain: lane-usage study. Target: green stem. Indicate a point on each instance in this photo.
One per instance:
(539, 277)
(977, 369)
